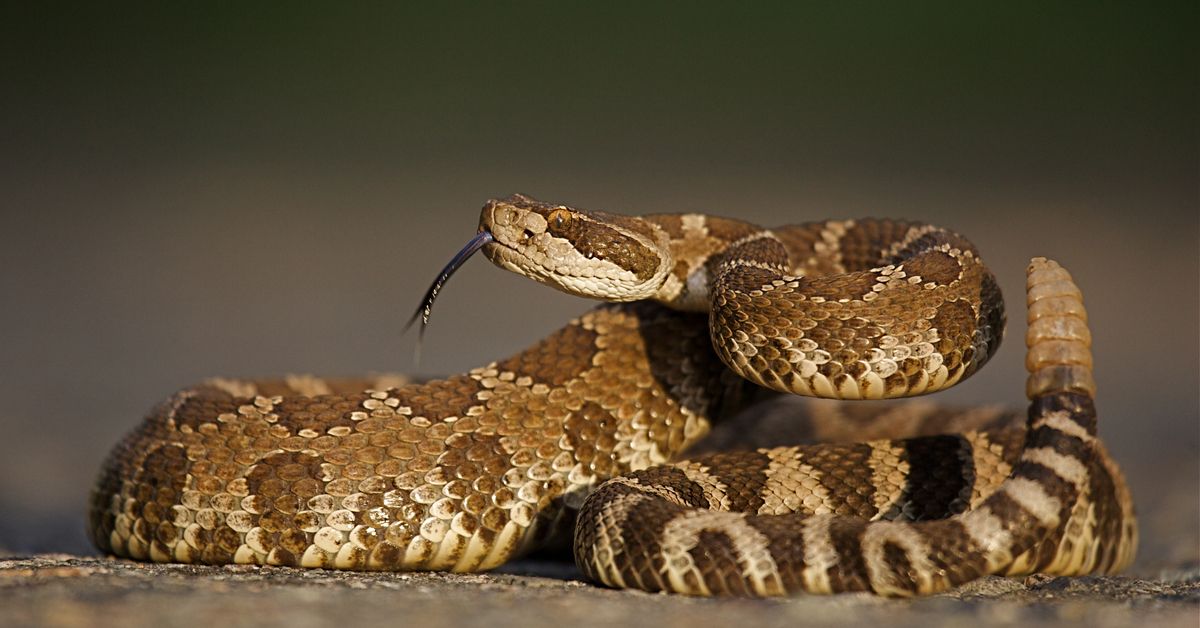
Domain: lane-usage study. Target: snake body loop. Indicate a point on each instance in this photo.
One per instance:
(467, 472)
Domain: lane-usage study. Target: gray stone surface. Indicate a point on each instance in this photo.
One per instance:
(63, 590)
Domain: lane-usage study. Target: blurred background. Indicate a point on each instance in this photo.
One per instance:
(202, 189)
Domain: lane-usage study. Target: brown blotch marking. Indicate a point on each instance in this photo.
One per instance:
(1103, 492)
(955, 323)
(934, 266)
(591, 431)
(120, 464)
(728, 229)
(799, 241)
(281, 557)
(852, 285)
(850, 572)
(831, 369)
(163, 475)
(952, 551)
(632, 224)
(671, 224)
(844, 472)
(557, 359)
(940, 478)
(786, 545)
(441, 398)
(386, 555)
(167, 533)
(941, 237)
(591, 234)
(1043, 553)
(1079, 408)
(717, 559)
(691, 492)
(863, 244)
(317, 413)
(227, 539)
(642, 542)
(293, 540)
(147, 466)
(681, 270)
(1009, 437)
(263, 477)
(486, 461)
(899, 566)
(742, 279)
(1023, 526)
(205, 407)
(1052, 483)
(1064, 444)
(991, 312)
(928, 241)
(1027, 532)
(763, 250)
(672, 338)
(744, 475)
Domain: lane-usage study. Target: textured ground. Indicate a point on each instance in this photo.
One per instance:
(62, 590)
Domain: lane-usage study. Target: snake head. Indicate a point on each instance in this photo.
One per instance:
(586, 253)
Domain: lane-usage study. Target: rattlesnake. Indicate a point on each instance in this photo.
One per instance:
(466, 472)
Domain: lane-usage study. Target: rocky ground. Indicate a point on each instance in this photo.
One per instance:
(64, 590)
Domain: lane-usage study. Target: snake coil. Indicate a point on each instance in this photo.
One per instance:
(467, 472)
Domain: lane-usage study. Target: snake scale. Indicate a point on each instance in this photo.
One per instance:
(466, 472)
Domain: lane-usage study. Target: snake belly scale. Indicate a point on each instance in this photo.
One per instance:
(467, 472)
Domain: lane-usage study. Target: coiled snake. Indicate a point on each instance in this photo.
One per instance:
(467, 472)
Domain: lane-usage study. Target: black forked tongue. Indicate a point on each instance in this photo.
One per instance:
(426, 307)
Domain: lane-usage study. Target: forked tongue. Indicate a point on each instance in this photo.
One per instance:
(426, 307)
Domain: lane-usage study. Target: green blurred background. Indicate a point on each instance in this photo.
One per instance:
(202, 188)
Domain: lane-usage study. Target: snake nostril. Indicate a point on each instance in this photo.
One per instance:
(527, 234)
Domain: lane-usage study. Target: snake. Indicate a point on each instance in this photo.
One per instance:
(582, 439)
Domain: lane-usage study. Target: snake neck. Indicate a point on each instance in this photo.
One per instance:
(701, 248)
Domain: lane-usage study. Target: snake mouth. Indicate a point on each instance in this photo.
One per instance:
(424, 310)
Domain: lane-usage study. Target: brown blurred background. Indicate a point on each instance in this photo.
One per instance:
(191, 191)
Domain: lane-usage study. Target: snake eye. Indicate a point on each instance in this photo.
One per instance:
(559, 217)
